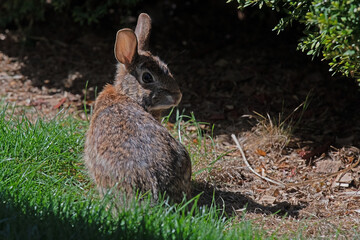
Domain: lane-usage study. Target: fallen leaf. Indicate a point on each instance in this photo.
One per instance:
(343, 180)
(266, 199)
(347, 178)
(260, 152)
(276, 192)
(61, 102)
(283, 165)
(328, 166)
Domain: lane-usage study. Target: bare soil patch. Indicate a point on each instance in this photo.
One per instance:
(229, 67)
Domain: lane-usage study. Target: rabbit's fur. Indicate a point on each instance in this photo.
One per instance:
(126, 146)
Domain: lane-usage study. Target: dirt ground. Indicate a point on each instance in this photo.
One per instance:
(297, 124)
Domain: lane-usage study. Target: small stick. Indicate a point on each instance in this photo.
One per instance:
(248, 165)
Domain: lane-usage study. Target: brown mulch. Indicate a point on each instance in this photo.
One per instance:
(240, 76)
(18, 90)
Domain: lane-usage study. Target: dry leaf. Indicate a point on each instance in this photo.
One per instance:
(343, 180)
(61, 102)
(328, 166)
(347, 178)
(283, 165)
(266, 199)
(260, 152)
(276, 192)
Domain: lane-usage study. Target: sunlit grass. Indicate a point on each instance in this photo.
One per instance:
(45, 192)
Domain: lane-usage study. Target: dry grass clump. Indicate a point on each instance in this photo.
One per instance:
(268, 137)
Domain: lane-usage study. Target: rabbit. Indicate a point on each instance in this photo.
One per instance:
(126, 146)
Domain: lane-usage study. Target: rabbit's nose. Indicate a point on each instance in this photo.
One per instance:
(176, 98)
(172, 100)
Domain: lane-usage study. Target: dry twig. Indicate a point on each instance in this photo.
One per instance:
(248, 165)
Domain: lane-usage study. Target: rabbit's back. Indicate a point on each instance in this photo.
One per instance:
(127, 146)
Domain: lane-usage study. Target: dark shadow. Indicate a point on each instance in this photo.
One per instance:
(234, 203)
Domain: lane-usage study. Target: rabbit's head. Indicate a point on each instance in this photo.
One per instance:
(140, 75)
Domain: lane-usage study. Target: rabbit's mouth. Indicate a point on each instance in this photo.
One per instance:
(166, 102)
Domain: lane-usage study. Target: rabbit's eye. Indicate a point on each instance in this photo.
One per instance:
(147, 78)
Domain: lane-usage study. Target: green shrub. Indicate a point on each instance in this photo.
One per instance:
(332, 29)
(25, 13)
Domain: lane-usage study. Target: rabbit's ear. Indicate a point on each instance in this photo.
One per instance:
(125, 46)
(142, 31)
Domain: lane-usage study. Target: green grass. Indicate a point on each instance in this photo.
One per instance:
(46, 194)
(197, 138)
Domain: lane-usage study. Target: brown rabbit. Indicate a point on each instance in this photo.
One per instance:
(126, 145)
